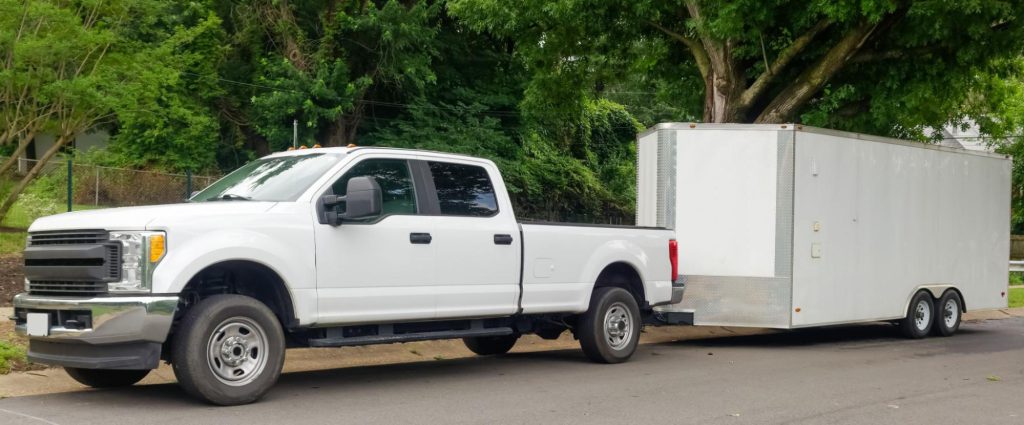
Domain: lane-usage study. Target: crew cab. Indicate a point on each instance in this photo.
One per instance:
(327, 247)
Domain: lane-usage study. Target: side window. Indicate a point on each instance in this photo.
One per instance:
(392, 175)
(463, 190)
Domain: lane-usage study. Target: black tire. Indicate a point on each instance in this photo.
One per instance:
(599, 344)
(106, 378)
(948, 307)
(918, 322)
(235, 335)
(490, 345)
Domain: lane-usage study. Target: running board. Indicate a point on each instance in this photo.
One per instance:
(407, 337)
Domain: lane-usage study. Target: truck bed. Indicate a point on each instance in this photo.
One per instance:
(560, 262)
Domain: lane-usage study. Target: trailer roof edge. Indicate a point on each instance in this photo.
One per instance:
(815, 130)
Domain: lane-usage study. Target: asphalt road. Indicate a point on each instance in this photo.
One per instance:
(857, 375)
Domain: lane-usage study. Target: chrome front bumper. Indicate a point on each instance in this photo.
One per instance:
(114, 320)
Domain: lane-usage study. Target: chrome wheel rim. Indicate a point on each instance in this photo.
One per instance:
(236, 351)
(950, 311)
(922, 315)
(618, 326)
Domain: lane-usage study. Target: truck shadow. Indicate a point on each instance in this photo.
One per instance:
(294, 387)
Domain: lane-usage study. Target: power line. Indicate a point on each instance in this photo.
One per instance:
(502, 113)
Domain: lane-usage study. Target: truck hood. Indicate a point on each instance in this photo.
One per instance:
(137, 218)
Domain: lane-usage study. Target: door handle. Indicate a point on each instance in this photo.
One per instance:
(420, 238)
(503, 239)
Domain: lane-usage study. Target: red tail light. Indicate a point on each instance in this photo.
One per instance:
(673, 257)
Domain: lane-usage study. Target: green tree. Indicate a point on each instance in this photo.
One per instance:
(883, 66)
(322, 62)
(81, 63)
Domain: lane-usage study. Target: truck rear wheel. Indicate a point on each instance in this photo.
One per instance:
(229, 350)
(918, 322)
(947, 317)
(491, 345)
(610, 329)
(106, 378)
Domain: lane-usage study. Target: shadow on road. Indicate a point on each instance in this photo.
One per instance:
(858, 336)
(340, 380)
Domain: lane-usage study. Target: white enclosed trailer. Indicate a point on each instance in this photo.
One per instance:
(789, 226)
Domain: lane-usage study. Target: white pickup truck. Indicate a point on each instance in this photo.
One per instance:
(327, 247)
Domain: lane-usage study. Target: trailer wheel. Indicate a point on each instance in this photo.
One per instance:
(106, 378)
(610, 329)
(920, 314)
(490, 345)
(229, 350)
(947, 321)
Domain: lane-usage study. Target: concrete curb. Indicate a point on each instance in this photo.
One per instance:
(54, 380)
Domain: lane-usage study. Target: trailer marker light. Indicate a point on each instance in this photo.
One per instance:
(797, 309)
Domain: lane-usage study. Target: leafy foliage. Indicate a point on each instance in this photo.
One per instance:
(553, 91)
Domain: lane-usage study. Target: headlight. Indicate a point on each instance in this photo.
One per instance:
(140, 253)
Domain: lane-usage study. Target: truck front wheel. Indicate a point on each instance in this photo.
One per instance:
(106, 378)
(610, 329)
(490, 345)
(229, 350)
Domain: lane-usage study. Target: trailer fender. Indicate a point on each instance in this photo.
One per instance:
(936, 289)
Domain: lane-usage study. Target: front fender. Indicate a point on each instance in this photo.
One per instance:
(289, 255)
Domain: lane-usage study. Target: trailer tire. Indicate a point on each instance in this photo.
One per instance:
(919, 320)
(947, 317)
(610, 329)
(229, 350)
(106, 378)
(490, 345)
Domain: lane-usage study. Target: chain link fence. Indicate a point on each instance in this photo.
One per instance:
(95, 186)
(99, 186)
(64, 185)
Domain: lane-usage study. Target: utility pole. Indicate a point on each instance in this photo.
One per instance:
(295, 133)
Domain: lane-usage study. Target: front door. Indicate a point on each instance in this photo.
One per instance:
(376, 269)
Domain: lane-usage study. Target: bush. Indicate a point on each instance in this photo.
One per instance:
(11, 354)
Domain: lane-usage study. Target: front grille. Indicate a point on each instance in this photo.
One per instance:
(71, 262)
(58, 287)
(67, 237)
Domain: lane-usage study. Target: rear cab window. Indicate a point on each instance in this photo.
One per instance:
(463, 190)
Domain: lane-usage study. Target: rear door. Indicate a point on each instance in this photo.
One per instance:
(475, 237)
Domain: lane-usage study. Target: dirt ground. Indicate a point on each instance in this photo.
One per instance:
(12, 279)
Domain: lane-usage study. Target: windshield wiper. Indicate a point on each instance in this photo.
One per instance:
(231, 197)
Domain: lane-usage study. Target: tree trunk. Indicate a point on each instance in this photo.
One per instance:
(22, 146)
(795, 95)
(722, 98)
(32, 174)
(343, 130)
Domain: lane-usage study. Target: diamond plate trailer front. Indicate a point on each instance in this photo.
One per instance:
(789, 226)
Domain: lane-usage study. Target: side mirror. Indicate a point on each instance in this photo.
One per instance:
(363, 199)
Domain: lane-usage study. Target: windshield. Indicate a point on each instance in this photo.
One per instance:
(277, 179)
